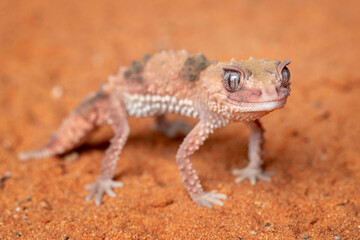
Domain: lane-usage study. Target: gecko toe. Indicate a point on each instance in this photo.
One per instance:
(240, 179)
(265, 177)
(252, 180)
(98, 198)
(89, 197)
(110, 192)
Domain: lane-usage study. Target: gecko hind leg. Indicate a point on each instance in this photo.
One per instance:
(117, 118)
(74, 129)
(171, 129)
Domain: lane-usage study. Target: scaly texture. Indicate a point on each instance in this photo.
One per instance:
(216, 93)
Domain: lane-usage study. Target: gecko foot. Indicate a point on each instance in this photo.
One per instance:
(252, 174)
(99, 187)
(206, 199)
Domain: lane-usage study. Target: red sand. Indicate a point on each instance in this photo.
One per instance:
(312, 144)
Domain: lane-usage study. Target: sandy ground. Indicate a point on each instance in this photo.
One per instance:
(53, 53)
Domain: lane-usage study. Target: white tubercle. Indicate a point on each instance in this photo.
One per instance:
(138, 105)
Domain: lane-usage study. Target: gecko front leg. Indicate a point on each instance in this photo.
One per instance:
(254, 169)
(191, 143)
(117, 118)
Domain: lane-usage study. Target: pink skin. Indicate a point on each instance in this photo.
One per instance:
(159, 85)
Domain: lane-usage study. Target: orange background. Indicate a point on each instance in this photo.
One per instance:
(53, 53)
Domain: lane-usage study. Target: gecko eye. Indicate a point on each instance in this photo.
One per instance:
(285, 77)
(232, 80)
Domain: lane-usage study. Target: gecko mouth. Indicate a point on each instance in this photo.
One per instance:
(264, 106)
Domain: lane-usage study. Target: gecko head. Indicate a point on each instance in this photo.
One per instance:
(247, 89)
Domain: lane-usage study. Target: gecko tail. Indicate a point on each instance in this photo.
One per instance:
(91, 113)
(42, 153)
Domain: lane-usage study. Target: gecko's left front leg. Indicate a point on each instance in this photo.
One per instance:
(117, 118)
(254, 169)
(191, 143)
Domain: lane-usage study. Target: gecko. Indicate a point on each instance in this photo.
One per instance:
(177, 82)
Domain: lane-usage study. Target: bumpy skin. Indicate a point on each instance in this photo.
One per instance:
(216, 93)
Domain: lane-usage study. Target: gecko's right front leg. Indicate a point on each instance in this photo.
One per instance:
(191, 143)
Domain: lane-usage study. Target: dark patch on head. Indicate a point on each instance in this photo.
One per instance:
(136, 68)
(193, 67)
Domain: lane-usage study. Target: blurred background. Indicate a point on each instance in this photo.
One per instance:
(53, 53)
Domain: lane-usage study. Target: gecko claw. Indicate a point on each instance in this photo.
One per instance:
(253, 174)
(206, 199)
(99, 187)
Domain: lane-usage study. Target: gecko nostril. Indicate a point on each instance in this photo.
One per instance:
(256, 92)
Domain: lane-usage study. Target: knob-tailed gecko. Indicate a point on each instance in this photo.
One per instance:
(216, 93)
